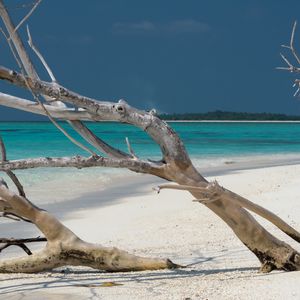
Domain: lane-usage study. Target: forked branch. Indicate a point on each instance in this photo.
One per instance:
(290, 66)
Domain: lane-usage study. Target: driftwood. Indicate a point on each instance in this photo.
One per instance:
(63, 246)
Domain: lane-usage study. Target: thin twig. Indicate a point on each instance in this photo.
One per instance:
(15, 217)
(291, 68)
(28, 15)
(283, 68)
(296, 83)
(20, 243)
(28, 240)
(2, 149)
(17, 182)
(11, 217)
(20, 6)
(130, 150)
(286, 60)
(181, 187)
(205, 200)
(292, 43)
(297, 91)
(80, 145)
(97, 142)
(23, 246)
(10, 173)
(40, 56)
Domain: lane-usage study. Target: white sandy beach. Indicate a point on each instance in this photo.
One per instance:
(132, 217)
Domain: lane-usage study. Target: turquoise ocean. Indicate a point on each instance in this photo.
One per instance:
(210, 145)
(203, 140)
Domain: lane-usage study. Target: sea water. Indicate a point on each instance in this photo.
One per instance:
(209, 144)
(202, 139)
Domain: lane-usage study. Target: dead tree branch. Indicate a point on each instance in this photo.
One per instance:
(39, 55)
(33, 107)
(79, 162)
(63, 246)
(291, 68)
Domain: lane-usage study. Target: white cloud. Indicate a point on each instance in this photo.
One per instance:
(173, 27)
(132, 28)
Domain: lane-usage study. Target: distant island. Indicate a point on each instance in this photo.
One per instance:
(219, 115)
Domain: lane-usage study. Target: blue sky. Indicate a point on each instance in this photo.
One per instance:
(176, 56)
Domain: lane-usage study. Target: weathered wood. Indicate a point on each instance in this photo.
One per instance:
(33, 107)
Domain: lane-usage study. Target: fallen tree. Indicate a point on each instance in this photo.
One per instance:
(63, 246)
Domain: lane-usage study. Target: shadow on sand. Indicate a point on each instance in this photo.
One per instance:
(42, 287)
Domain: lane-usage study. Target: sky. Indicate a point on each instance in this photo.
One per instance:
(172, 55)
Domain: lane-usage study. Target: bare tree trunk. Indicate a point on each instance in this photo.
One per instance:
(64, 247)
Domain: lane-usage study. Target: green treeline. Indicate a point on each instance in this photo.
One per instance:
(232, 116)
